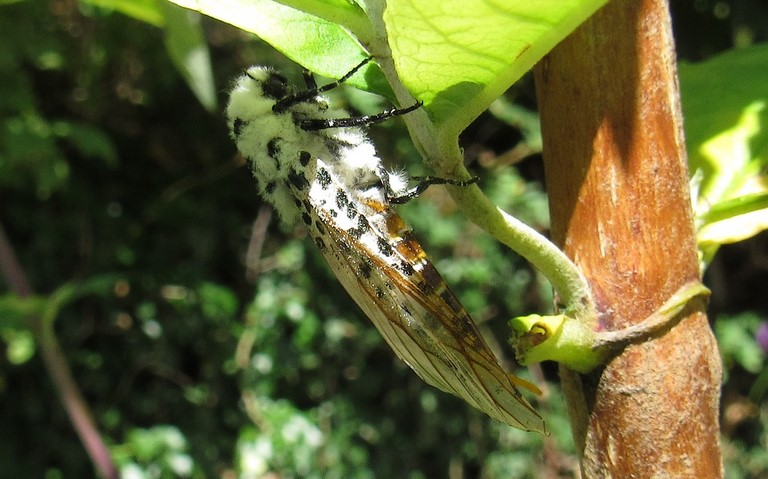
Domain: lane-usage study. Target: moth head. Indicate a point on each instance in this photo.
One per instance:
(269, 81)
(255, 93)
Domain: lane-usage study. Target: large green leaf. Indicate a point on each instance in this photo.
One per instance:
(458, 56)
(315, 41)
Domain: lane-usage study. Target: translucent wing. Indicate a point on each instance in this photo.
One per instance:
(389, 276)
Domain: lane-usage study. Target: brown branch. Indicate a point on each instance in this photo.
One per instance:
(616, 175)
(58, 369)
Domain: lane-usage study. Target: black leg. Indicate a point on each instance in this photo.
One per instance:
(305, 95)
(309, 80)
(424, 182)
(317, 124)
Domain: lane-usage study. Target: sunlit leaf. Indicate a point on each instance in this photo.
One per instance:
(457, 56)
(320, 45)
(726, 111)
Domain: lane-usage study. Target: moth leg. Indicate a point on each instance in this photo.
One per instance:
(423, 182)
(309, 94)
(366, 120)
(309, 80)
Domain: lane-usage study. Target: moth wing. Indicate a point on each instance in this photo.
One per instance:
(444, 348)
(460, 337)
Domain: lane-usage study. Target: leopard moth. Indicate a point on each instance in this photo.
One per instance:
(315, 163)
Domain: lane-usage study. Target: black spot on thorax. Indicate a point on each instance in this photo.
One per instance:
(298, 180)
(237, 127)
(273, 147)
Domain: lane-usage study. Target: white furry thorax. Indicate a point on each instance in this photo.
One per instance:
(273, 142)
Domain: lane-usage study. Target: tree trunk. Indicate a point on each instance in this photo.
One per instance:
(617, 180)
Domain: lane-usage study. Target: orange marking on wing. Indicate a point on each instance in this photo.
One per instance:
(465, 339)
(525, 384)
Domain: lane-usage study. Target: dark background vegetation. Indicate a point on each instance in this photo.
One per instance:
(211, 336)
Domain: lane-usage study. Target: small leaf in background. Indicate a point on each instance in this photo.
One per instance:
(725, 112)
(160, 451)
(736, 338)
(21, 345)
(15, 314)
(286, 442)
(217, 302)
(148, 11)
(744, 217)
(188, 49)
(29, 154)
(736, 175)
(89, 141)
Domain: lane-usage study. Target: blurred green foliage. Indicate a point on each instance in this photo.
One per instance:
(206, 344)
(727, 145)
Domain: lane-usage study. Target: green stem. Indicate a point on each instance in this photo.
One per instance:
(565, 276)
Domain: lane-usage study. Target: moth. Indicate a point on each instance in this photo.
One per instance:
(314, 162)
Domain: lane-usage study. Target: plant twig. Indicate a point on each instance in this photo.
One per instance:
(58, 369)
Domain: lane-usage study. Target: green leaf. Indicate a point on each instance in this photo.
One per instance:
(15, 314)
(28, 151)
(217, 302)
(187, 48)
(345, 13)
(21, 346)
(145, 10)
(727, 144)
(88, 140)
(312, 40)
(15, 310)
(736, 339)
(733, 220)
(457, 56)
